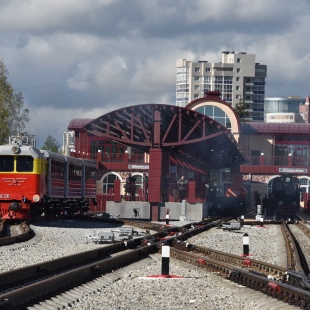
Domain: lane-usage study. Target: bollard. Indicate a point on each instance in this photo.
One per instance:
(261, 222)
(165, 258)
(258, 212)
(167, 218)
(242, 219)
(246, 241)
(259, 209)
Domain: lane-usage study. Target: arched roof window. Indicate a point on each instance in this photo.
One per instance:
(214, 107)
(216, 113)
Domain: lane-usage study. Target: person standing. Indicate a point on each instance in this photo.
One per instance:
(265, 205)
(271, 204)
(131, 186)
(127, 186)
(181, 187)
(145, 186)
(212, 193)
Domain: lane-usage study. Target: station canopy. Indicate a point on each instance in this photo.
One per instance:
(187, 135)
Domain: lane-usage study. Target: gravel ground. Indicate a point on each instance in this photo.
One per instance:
(53, 240)
(266, 244)
(198, 289)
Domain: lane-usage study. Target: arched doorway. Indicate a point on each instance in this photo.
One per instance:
(107, 181)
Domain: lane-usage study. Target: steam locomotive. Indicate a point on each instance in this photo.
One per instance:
(34, 182)
(286, 196)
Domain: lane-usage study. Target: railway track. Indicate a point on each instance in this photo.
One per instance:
(288, 284)
(26, 286)
(14, 233)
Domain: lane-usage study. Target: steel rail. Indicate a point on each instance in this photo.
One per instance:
(87, 265)
(259, 282)
(293, 260)
(20, 297)
(241, 261)
(22, 285)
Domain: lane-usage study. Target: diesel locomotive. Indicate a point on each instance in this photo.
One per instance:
(286, 196)
(36, 182)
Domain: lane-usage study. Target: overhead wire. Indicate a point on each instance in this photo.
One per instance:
(95, 78)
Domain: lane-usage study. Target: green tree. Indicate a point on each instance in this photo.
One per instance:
(51, 145)
(241, 110)
(13, 117)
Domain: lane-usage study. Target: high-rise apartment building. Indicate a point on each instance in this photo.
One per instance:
(237, 77)
(68, 142)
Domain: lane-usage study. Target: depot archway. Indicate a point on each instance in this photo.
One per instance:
(166, 131)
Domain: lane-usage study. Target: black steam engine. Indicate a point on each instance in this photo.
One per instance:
(286, 196)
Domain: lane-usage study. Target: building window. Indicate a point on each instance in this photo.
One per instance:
(238, 79)
(207, 79)
(238, 70)
(237, 96)
(197, 78)
(208, 69)
(196, 86)
(237, 87)
(197, 69)
(108, 182)
(196, 95)
(238, 60)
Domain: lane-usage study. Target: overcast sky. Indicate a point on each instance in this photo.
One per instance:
(84, 58)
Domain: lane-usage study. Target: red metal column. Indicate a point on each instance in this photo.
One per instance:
(155, 175)
(117, 190)
(155, 167)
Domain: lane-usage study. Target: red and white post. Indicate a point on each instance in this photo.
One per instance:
(246, 244)
(165, 260)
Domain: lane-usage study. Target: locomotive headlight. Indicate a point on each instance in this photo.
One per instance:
(36, 198)
(15, 149)
(280, 203)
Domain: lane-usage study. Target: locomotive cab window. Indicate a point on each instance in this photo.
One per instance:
(6, 163)
(24, 164)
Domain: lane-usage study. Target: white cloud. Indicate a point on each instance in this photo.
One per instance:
(76, 58)
(40, 16)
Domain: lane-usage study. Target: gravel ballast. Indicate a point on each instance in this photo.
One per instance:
(197, 290)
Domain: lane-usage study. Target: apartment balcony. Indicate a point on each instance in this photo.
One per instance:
(276, 164)
(248, 92)
(249, 84)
